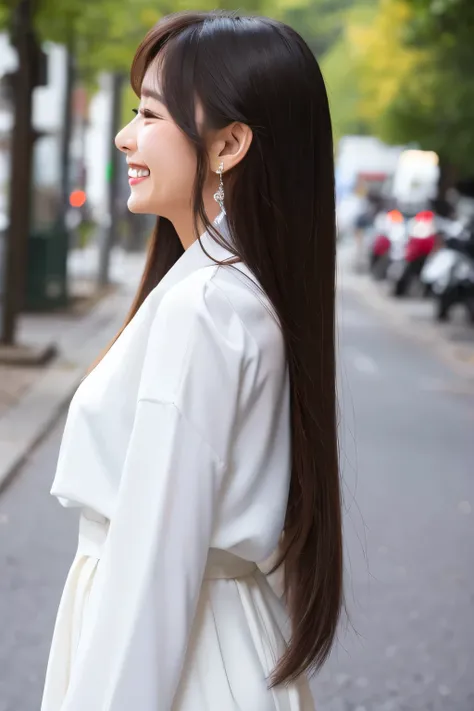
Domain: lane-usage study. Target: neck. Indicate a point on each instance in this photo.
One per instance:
(184, 225)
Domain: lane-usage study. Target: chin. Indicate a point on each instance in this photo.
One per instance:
(138, 207)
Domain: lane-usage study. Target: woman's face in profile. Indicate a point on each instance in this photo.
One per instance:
(161, 159)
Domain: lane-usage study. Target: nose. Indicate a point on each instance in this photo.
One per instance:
(125, 140)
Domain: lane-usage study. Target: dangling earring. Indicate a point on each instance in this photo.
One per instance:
(219, 196)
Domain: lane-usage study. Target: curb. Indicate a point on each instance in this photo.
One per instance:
(33, 416)
(27, 422)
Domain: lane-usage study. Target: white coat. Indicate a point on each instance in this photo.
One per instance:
(177, 450)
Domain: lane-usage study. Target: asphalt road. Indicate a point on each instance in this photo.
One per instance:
(407, 454)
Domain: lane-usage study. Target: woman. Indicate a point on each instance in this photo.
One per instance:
(204, 441)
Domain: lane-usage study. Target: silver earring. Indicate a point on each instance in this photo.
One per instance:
(219, 196)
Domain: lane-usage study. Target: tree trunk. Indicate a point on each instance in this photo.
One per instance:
(24, 81)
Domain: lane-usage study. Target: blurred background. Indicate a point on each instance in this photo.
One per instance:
(400, 77)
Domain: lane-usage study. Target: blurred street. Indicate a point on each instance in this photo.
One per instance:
(408, 496)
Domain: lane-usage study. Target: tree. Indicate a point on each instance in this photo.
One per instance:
(320, 22)
(383, 65)
(412, 62)
(21, 85)
(340, 70)
(440, 115)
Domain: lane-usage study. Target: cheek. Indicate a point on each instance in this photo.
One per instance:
(168, 153)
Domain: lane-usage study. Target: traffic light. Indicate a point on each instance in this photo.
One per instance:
(77, 198)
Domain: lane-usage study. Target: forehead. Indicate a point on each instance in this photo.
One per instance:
(152, 78)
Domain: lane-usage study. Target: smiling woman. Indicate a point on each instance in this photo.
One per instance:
(203, 442)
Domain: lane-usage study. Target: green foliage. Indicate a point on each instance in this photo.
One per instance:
(403, 70)
(320, 22)
(340, 69)
(344, 96)
(447, 23)
(439, 111)
(4, 16)
(102, 34)
(105, 33)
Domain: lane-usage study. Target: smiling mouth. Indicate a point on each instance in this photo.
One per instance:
(137, 175)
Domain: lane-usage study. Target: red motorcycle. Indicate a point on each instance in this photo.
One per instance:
(421, 240)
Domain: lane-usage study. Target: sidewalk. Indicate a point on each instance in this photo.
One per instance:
(453, 341)
(32, 398)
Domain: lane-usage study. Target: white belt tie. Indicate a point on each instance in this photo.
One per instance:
(93, 530)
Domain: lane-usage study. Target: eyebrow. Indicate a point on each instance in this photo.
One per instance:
(151, 94)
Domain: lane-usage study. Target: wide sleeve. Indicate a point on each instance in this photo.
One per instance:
(145, 595)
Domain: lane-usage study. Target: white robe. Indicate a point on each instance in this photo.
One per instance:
(177, 450)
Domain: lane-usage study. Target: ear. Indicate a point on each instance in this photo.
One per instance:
(230, 146)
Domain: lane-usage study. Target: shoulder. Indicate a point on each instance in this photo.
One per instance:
(211, 333)
(196, 301)
(224, 301)
(195, 328)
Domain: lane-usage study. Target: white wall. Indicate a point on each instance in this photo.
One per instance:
(48, 101)
(8, 60)
(98, 149)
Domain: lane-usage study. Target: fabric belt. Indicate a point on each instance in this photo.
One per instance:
(221, 565)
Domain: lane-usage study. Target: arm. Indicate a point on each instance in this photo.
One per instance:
(149, 579)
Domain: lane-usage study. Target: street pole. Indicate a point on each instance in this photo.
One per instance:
(66, 134)
(110, 232)
(24, 81)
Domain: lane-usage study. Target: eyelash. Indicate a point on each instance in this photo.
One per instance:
(145, 113)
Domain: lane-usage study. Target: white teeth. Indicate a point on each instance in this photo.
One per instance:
(138, 173)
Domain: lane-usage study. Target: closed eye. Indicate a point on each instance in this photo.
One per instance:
(146, 113)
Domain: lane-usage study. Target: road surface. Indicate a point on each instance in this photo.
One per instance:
(407, 455)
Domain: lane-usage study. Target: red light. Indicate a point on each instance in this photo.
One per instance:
(77, 198)
(425, 216)
(395, 216)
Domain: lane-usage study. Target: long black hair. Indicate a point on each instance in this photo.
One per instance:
(280, 208)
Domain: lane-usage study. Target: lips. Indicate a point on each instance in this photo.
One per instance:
(137, 173)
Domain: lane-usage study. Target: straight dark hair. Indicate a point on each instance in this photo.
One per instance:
(281, 214)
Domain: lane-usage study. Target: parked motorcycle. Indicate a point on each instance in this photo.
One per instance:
(410, 257)
(450, 273)
(441, 259)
